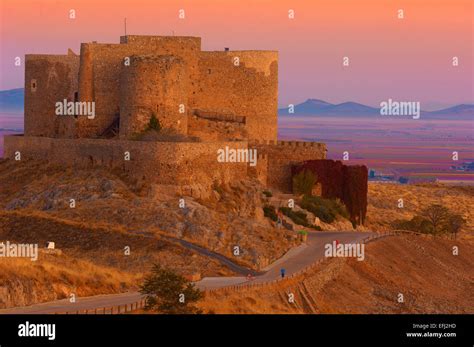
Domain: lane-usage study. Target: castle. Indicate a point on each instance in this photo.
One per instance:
(211, 99)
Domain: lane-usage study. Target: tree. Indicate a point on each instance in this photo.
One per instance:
(168, 292)
(154, 123)
(303, 182)
(454, 224)
(437, 216)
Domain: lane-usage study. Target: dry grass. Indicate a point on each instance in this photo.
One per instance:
(383, 200)
(52, 277)
(104, 243)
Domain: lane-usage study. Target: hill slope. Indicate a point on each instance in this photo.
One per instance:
(430, 277)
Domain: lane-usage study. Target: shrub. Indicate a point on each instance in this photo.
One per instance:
(269, 212)
(298, 217)
(163, 288)
(454, 224)
(325, 209)
(417, 224)
(303, 182)
(154, 123)
(267, 193)
(434, 219)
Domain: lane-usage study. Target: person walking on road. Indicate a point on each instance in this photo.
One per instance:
(282, 272)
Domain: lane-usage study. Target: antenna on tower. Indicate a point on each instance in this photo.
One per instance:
(125, 24)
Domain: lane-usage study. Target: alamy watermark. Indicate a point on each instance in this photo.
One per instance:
(348, 250)
(400, 108)
(77, 108)
(19, 250)
(28, 329)
(240, 155)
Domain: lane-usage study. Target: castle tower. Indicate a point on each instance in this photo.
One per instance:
(153, 85)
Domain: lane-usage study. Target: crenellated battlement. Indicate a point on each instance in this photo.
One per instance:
(288, 143)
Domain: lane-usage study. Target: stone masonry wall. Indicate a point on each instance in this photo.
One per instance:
(101, 66)
(282, 155)
(260, 171)
(153, 85)
(216, 130)
(206, 81)
(169, 163)
(49, 79)
(249, 89)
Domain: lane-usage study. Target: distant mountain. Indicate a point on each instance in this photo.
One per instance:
(353, 108)
(463, 109)
(12, 100)
(311, 106)
(320, 107)
(315, 107)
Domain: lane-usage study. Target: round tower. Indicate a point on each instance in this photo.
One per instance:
(153, 85)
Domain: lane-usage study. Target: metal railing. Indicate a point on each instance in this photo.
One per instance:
(116, 309)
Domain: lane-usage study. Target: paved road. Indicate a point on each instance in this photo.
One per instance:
(295, 260)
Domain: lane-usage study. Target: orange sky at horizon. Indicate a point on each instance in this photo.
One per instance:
(407, 59)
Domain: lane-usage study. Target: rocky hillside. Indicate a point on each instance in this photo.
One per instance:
(230, 216)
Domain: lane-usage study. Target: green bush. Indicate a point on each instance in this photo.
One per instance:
(325, 209)
(269, 212)
(298, 217)
(163, 288)
(267, 193)
(303, 182)
(154, 123)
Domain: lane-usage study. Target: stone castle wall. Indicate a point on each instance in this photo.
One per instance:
(249, 89)
(102, 65)
(210, 127)
(281, 155)
(132, 90)
(168, 163)
(260, 171)
(49, 79)
(153, 85)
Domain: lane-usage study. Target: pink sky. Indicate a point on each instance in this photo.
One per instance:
(409, 59)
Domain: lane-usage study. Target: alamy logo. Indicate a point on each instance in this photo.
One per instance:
(241, 155)
(20, 250)
(37, 330)
(400, 108)
(348, 250)
(78, 108)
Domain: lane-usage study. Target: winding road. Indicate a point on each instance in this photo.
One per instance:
(294, 260)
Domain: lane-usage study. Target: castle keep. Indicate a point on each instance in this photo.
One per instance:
(211, 99)
(213, 95)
